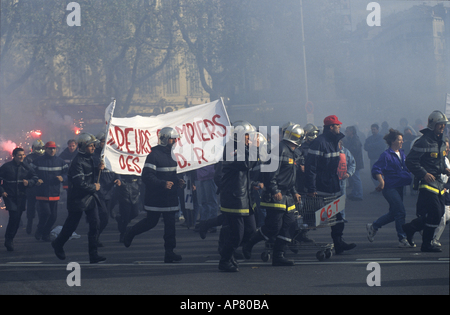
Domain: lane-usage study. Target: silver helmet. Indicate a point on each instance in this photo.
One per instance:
(294, 134)
(285, 126)
(311, 132)
(436, 117)
(38, 147)
(101, 136)
(165, 134)
(240, 128)
(85, 139)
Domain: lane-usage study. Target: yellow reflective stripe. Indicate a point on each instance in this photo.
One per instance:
(273, 205)
(241, 211)
(435, 190)
(291, 208)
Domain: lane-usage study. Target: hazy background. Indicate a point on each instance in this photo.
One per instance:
(265, 58)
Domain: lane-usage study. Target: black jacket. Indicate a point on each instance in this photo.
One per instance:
(235, 182)
(159, 168)
(47, 168)
(11, 178)
(428, 156)
(322, 163)
(82, 176)
(282, 180)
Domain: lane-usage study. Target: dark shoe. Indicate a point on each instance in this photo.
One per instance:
(247, 247)
(59, 251)
(128, 237)
(38, 235)
(9, 245)
(428, 247)
(279, 260)
(202, 229)
(170, 257)
(227, 266)
(94, 258)
(342, 246)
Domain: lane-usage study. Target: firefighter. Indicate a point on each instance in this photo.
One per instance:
(321, 170)
(279, 199)
(161, 197)
(15, 177)
(82, 197)
(235, 194)
(37, 150)
(51, 171)
(426, 161)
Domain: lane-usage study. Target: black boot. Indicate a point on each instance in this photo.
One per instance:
(93, 254)
(59, 251)
(427, 237)
(278, 254)
(253, 240)
(170, 257)
(9, 245)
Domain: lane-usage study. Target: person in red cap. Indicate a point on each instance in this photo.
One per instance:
(51, 171)
(321, 166)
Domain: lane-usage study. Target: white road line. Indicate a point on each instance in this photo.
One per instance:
(214, 263)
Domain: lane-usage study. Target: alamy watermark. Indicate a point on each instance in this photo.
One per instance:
(374, 17)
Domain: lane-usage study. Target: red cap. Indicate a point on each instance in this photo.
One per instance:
(50, 144)
(331, 120)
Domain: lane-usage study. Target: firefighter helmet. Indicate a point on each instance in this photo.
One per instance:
(240, 128)
(165, 134)
(101, 136)
(85, 139)
(311, 132)
(38, 147)
(436, 117)
(285, 126)
(294, 134)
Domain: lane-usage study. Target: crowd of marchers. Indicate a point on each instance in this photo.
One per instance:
(249, 204)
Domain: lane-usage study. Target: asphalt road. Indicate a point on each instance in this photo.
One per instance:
(33, 269)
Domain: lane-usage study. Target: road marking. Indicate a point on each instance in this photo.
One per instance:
(215, 262)
(377, 259)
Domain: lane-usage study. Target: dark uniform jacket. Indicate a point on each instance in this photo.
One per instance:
(322, 163)
(235, 182)
(281, 181)
(82, 176)
(159, 168)
(12, 176)
(47, 168)
(428, 156)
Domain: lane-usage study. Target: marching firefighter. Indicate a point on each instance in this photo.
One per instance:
(51, 171)
(235, 196)
(161, 198)
(16, 177)
(37, 150)
(82, 197)
(279, 199)
(321, 169)
(426, 161)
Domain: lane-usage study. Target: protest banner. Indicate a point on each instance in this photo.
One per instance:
(203, 130)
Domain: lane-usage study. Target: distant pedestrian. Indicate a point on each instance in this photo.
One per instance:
(391, 172)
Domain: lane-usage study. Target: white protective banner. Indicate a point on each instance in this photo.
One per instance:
(447, 105)
(203, 129)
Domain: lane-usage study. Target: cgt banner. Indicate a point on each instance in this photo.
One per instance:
(203, 130)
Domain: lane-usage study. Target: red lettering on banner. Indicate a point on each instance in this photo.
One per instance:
(200, 155)
(182, 163)
(130, 163)
(119, 142)
(214, 119)
(211, 132)
(127, 130)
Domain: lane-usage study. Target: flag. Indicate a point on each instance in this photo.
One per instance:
(109, 112)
